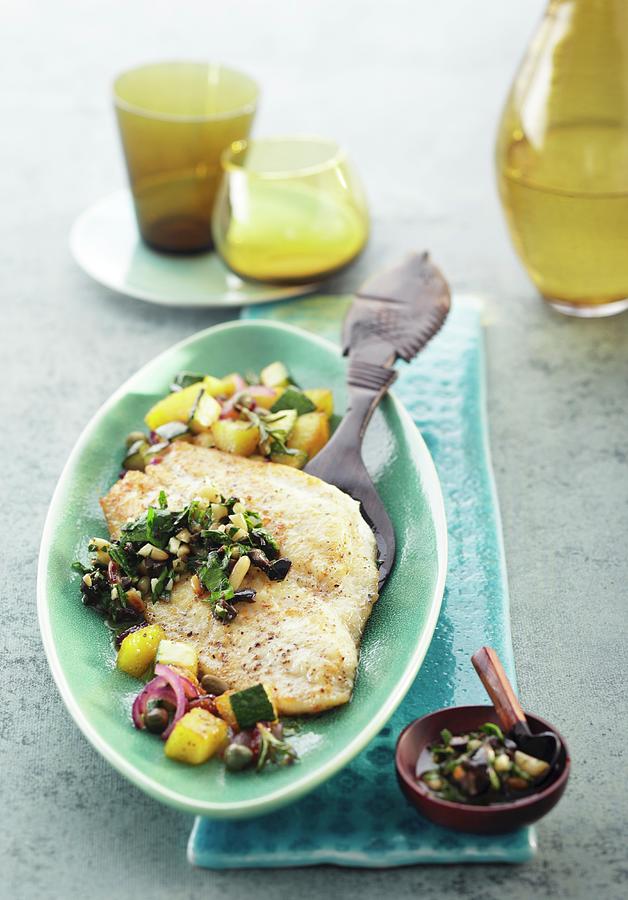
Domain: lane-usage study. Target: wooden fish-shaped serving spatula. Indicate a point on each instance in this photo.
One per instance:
(393, 316)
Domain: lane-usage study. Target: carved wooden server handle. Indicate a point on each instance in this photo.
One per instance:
(488, 666)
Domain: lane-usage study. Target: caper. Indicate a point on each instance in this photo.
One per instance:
(156, 720)
(211, 684)
(238, 757)
(135, 457)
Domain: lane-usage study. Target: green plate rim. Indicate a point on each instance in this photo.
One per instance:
(235, 809)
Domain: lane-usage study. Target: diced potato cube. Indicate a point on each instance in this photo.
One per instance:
(138, 649)
(275, 375)
(196, 737)
(178, 406)
(323, 400)
(215, 387)
(231, 384)
(203, 439)
(310, 433)
(267, 400)
(179, 654)
(235, 436)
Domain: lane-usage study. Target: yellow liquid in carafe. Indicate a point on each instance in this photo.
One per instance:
(567, 208)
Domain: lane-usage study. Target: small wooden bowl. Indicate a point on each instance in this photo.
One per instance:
(462, 816)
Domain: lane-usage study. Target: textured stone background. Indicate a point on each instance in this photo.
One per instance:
(414, 90)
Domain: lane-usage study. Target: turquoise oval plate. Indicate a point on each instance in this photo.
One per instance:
(78, 644)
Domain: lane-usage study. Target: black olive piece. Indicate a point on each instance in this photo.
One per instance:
(266, 547)
(475, 780)
(244, 596)
(224, 611)
(259, 559)
(279, 569)
(120, 637)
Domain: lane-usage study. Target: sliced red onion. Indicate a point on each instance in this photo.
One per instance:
(152, 691)
(176, 682)
(189, 688)
(239, 382)
(207, 701)
(260, 390)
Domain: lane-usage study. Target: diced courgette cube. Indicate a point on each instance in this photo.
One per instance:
(206, 412)
(283, 421)
(294, 460)
(196, 737)
(275, 375)
(242, 709)
(179, 654)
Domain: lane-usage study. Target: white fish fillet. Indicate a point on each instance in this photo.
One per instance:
(302, 635)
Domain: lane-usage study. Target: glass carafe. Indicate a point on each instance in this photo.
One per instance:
(562, 157)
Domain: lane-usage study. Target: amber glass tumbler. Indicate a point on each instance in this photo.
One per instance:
(175, 120)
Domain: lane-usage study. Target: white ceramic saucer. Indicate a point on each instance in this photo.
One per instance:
(106, 244)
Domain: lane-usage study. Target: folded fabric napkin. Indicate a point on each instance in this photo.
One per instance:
(360, 817)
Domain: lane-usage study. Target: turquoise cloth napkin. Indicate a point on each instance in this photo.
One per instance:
(360, 817)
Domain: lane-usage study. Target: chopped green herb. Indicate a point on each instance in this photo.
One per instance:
(495, 730)
(446, 736)
(158, 589)
(195, 405)
(293, 398)
(273, 749)
(185, 379)
(212, 554)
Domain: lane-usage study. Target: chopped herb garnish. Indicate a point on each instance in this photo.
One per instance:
(273, 749)
(293, 398)
(185, 379)
(145, 563)
(195, 406)
(495, 730)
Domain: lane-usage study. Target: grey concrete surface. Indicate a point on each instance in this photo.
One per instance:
(414, 90)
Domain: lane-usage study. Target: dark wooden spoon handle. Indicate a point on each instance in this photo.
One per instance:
(492, 675)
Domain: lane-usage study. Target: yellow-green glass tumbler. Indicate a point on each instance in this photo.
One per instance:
(562, 157)
(289, 210)
(175, 120)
